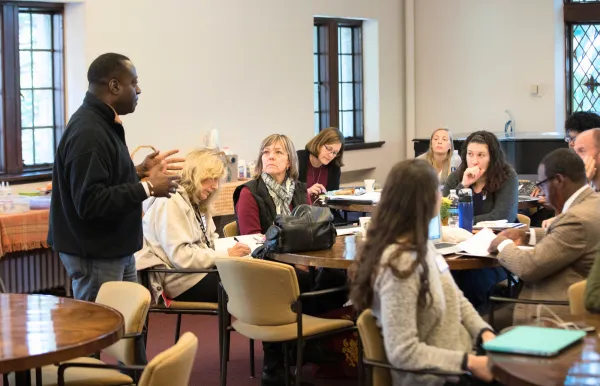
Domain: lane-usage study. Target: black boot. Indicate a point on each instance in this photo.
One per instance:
(273, 368)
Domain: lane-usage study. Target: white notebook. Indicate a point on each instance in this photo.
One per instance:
(252, 241)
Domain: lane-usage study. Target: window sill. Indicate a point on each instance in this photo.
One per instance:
(363, 145)
(27, 177)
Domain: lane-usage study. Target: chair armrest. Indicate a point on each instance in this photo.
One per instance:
(527, 301)
(322, 292)
(63, 366)
(183, 270)
(425, 371)
(297, 305)
(132, 335)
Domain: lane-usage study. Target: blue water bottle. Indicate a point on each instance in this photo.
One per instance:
(465, 209)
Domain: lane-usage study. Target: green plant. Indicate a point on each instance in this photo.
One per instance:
(445, 208)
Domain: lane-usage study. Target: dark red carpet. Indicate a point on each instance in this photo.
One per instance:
(206, 367)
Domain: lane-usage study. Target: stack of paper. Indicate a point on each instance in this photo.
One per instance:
(478, 244)
(347, 231)
(497, 225)
(371, 196)
(252, 241)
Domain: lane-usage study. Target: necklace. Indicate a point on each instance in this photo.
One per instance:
(202, 227)
(319, 176)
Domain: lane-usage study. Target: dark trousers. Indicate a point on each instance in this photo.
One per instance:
(542, 214)
(206, 290)
(477, 284)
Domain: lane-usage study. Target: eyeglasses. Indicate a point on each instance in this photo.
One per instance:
(331, 151)
(539, 184)
(569, 139)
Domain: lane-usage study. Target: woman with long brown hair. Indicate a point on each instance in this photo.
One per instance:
(426, 321)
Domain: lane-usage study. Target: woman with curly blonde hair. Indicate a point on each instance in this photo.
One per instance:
(179, 232)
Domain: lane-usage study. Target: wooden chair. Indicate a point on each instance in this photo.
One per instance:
(524, 220)
(576, 294)
(132, 301)
(231, 229)
(264, 297)
(192, 308)
(180, 308)
(172, 367)
(378, 369)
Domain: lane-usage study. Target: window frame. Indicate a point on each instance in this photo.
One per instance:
(11, 160)
(329, 114)
(575, 13)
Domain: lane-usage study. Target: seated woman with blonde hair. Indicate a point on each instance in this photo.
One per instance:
(179, 232)
(441, 149)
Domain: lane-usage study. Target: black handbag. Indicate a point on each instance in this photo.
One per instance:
(307, 228)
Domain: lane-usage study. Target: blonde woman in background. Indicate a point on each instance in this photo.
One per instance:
(441, 148)
(179, 232)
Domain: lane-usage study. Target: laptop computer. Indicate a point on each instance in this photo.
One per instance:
(435, 235)
(532, 340)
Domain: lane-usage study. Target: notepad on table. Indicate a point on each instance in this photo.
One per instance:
(479, 244)
(497, 225)
(252, 241)
(344, 231)
(533, 340)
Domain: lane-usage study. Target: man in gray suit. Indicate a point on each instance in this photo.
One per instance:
(564, 253)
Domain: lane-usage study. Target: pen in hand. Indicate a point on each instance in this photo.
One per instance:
(236, 239)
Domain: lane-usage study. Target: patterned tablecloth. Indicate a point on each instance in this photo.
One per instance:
(27, 231)
(23, 231)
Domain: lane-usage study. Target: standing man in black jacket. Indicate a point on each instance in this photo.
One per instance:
(96, 207)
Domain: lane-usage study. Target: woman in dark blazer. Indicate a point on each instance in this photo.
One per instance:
(320, 162)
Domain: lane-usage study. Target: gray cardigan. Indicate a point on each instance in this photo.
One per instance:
(500, 205)
(415, 337)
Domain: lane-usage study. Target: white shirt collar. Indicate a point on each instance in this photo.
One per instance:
(569, 202)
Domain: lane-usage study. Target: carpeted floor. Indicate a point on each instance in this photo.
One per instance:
(206, 368)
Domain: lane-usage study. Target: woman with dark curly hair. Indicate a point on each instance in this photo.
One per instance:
(493, 181)
(426, 321)
(495, 189)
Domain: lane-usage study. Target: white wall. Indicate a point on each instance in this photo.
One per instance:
(244, 67)
(474, 59)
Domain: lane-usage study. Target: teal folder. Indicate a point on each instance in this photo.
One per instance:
(531, 340)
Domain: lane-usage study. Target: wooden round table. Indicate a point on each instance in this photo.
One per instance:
(343, 253)
(39, 330)
(577, 365)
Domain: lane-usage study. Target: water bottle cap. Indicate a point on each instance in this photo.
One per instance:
(465, 192)
(452, 191)
(456, 152)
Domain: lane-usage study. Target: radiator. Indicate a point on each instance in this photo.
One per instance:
(37, 270)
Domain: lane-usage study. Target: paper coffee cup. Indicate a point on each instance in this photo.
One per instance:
(369, 185)
(364, 223)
